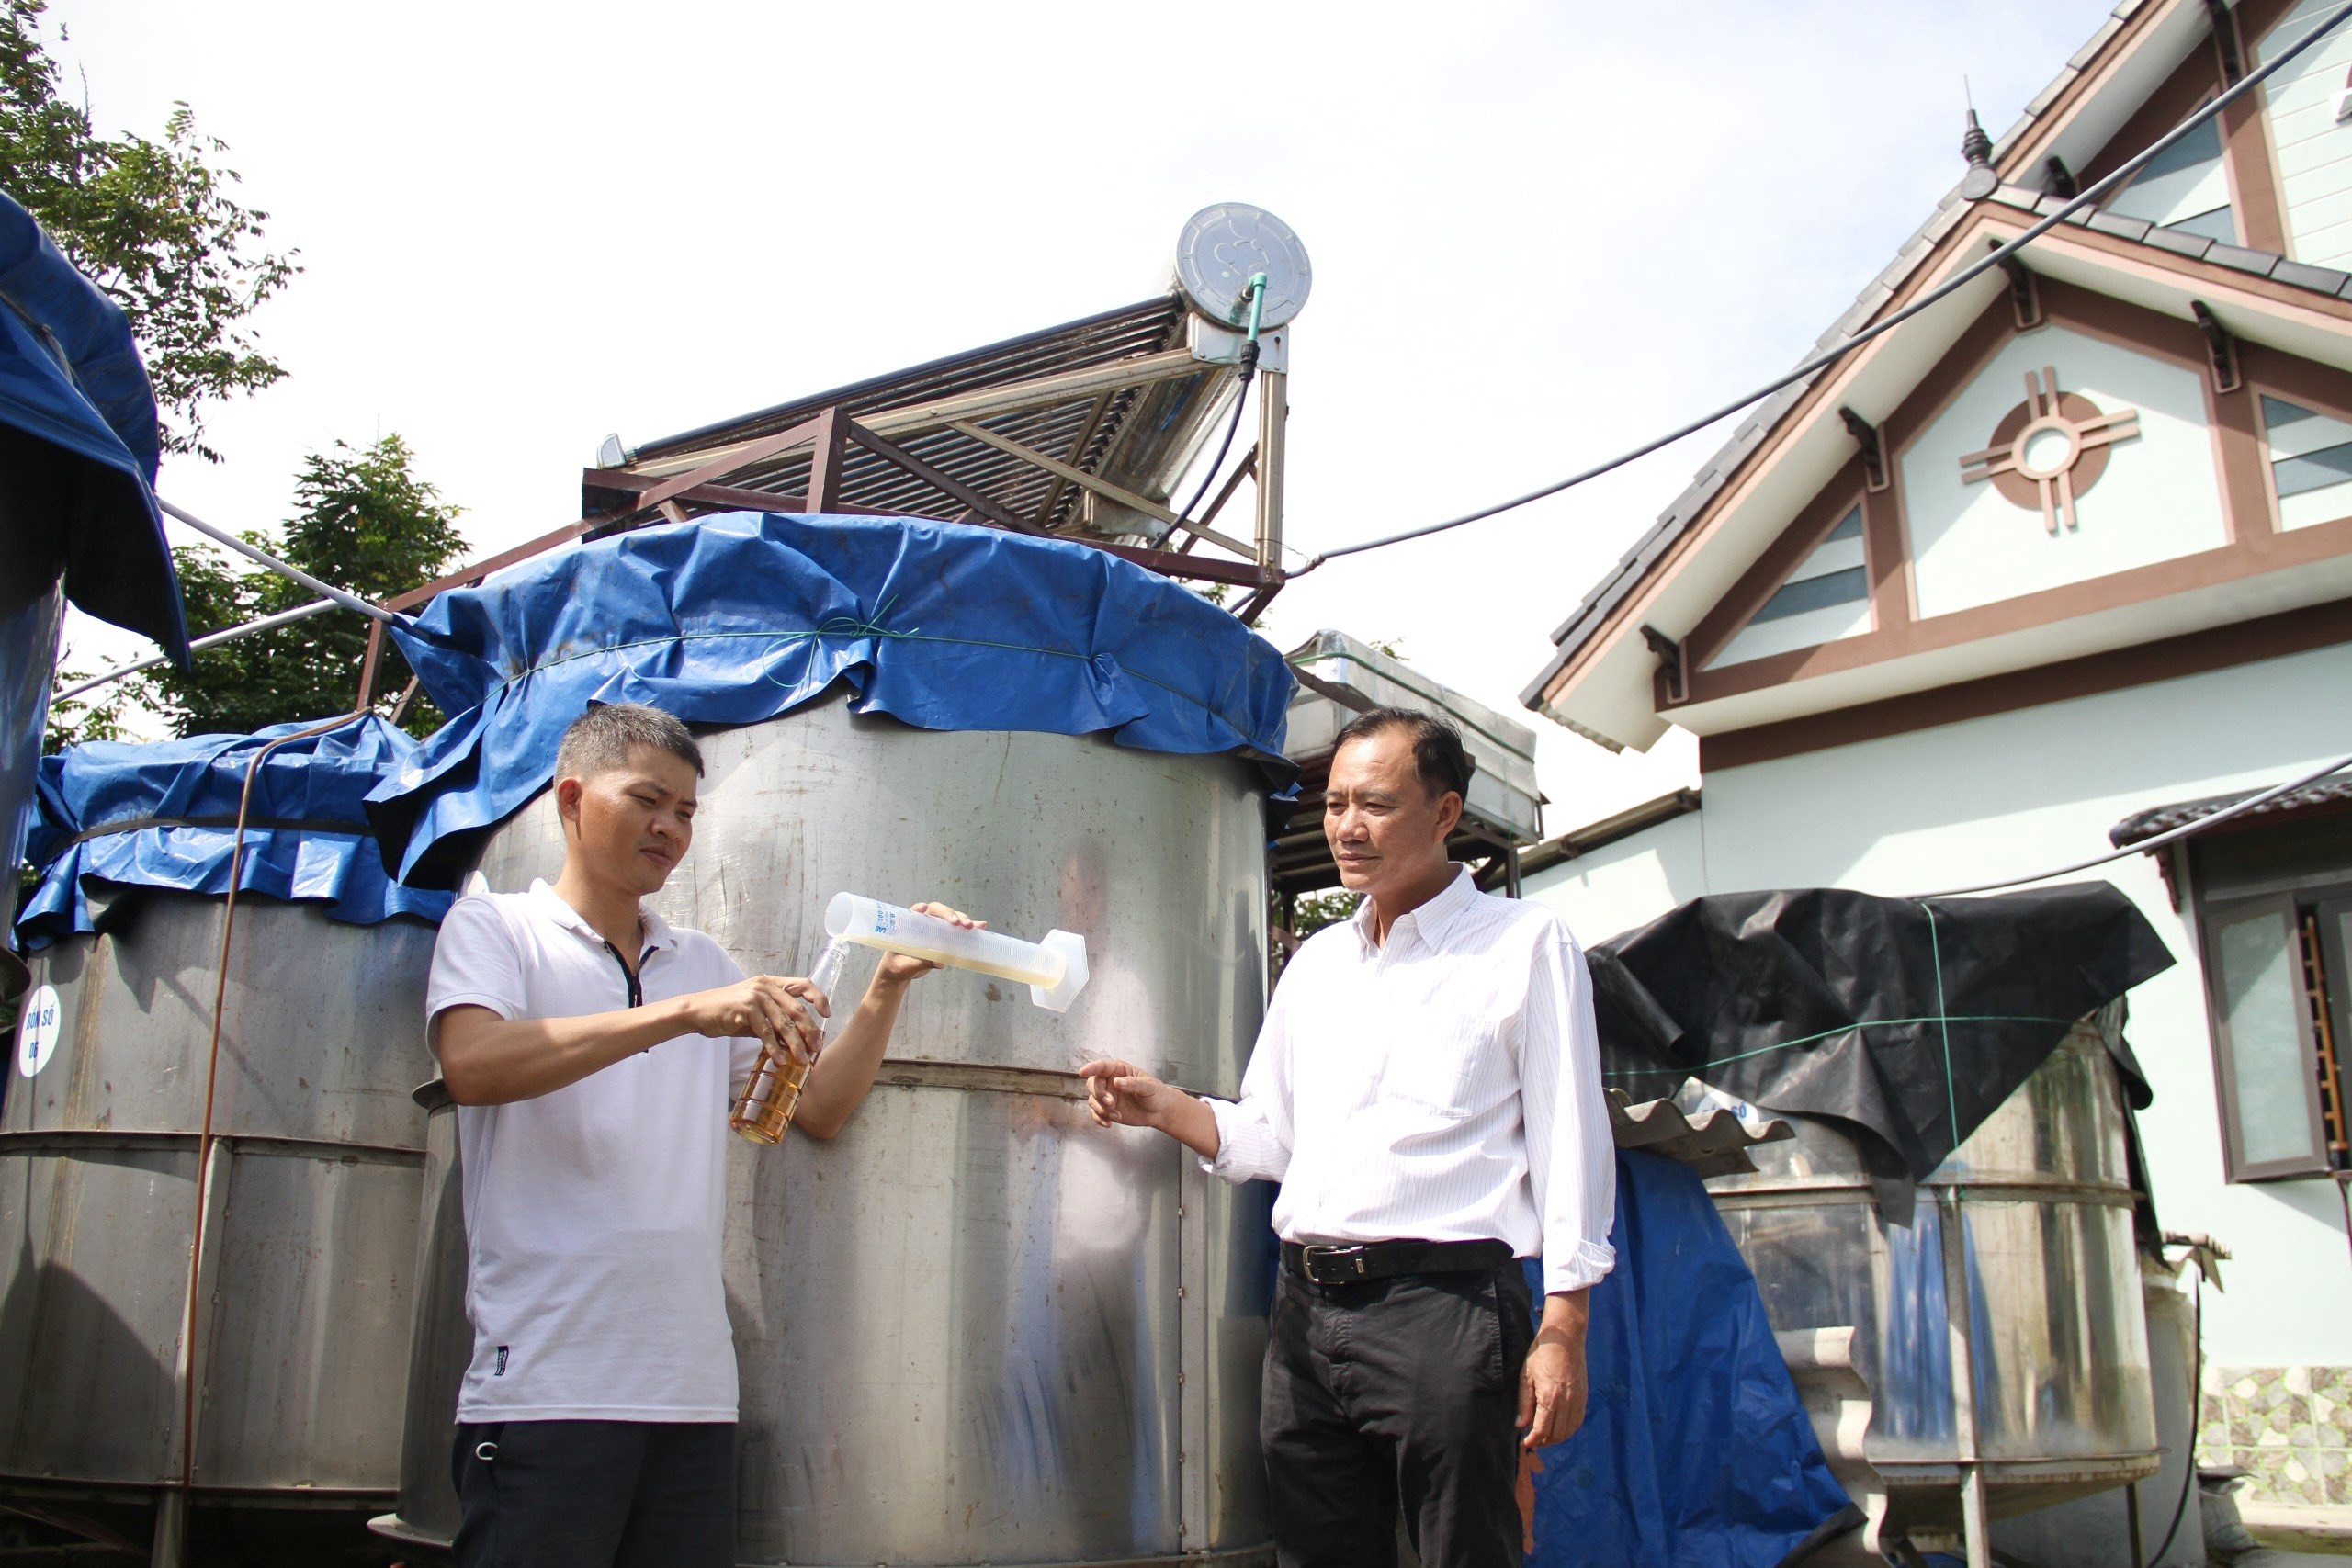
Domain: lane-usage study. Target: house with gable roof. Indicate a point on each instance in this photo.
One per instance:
(2064, 562)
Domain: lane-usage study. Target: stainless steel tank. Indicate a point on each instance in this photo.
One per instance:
(301, 1347)
(973, 1327)
(2020, 1263)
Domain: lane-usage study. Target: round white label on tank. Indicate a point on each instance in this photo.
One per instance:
(37, 1030)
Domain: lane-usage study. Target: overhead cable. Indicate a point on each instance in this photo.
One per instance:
(283, 617)
(2170, 836)
(293, 574)
(1819, 362)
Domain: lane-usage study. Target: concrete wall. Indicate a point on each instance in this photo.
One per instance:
(2016, 794)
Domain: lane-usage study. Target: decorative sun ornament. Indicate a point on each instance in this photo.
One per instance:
(2049, 449)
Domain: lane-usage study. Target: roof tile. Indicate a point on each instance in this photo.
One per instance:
(2083, 55)
(2173, 239)
(2326, 280)
(2259, 263)
(2048, 95)
(2117, 224)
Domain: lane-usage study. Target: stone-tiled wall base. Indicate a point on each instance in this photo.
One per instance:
(2290, 1428)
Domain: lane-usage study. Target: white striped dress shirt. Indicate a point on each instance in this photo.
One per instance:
(1444, 1086)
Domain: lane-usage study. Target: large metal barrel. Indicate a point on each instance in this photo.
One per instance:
(301, 1347)
(973, 1327)
(2019, 1261)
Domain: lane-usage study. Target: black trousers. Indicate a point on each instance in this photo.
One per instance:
(597, 1494)
(1396, 1392)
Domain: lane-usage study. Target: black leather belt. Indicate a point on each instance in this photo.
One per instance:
(1347, 1264)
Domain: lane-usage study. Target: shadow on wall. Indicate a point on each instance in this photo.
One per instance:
(85, 1393)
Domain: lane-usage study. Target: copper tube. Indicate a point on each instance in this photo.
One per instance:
(204, 1136)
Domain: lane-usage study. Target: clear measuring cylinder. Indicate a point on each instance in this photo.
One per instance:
(1053, 969)
(773, 1093)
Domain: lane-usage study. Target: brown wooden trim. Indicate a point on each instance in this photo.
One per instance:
(2218, 282)
(2254, 546)
(1884, 552)
(1771, 568)
(2193, 653)
(2255, 179)
(2255, 557)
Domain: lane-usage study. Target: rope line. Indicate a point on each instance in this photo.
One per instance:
(1936, 958)
(1947, 1020)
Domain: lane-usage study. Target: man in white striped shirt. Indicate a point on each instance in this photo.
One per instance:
(1426, 1089)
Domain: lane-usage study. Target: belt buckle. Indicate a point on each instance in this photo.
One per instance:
(1347, 1264)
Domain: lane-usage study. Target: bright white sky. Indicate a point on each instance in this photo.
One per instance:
(1540, 233)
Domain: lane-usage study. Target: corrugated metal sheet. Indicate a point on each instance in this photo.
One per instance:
(1087, 432)
(2144, 825)
(1716, 1145)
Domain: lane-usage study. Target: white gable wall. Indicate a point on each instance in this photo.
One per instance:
(2314, 147)
(2159, 499)
(2016, 793)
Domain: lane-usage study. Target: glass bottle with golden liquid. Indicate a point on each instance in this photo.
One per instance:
(773, 1093)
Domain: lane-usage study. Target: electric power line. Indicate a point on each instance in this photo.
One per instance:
(2237, 90)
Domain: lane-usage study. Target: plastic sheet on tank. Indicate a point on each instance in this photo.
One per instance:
(1906, 1024)
(163, 815)
(77, 445)
(1695, 1448)
(734, 618)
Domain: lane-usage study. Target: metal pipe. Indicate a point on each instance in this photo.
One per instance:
(283, 617)
(177, 1517)
(291, 573)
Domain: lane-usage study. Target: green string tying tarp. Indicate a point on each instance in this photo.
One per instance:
(1905, 1024)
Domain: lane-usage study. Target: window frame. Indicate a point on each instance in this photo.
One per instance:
(2211, 915)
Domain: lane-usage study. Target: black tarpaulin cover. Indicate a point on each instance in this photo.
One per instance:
(1903, 1022)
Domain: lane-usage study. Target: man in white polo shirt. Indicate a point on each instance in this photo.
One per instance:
(1426, 1089)
(593, 1051)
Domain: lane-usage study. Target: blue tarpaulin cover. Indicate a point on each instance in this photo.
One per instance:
(306, 836)
(739, 617)
(77, 443)
(1695, 1451)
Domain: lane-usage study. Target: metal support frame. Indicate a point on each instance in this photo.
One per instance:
(2225, 42)
(1975, 1519)
(1670, 663)
(1866, 435)
(2220, 347)
(2025, 296)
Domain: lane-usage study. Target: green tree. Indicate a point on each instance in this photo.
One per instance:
(368, 524)
(94, 716)
(150, 222)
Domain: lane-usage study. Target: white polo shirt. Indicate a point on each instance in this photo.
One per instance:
(593, 1214)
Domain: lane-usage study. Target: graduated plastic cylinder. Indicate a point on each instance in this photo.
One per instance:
(1054, 969)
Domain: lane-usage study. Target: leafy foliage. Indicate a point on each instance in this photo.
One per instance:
(96, 716)
(152, 223)
(368, 524)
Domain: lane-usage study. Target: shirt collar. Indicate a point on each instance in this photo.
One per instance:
(1431, 920)
(657, 932)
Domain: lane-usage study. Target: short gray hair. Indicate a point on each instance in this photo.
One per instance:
(599, 741)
